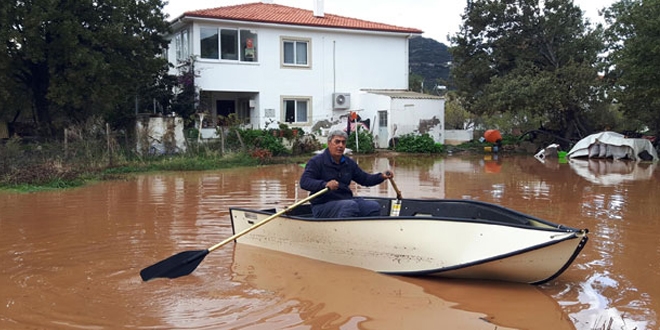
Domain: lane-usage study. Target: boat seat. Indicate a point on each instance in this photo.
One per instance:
(305, 210)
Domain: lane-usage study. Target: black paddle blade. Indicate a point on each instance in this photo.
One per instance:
(175, 266)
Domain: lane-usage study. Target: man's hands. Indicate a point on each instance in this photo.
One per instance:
(387, 175)
(332, 185)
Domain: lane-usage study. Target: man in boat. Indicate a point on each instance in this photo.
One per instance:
(334, 170)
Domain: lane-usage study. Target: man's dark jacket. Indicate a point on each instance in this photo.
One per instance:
(322, 168)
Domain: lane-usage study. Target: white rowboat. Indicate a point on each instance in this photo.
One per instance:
(447, 238)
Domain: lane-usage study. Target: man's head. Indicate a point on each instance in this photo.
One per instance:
(337, 143)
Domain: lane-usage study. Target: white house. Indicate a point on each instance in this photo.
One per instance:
(272, 64)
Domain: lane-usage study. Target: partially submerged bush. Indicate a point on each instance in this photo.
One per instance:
(418, 144)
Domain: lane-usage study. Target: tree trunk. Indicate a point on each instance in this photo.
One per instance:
(39, 85)
(240, 139)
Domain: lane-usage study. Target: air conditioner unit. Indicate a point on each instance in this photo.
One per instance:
(341, 100)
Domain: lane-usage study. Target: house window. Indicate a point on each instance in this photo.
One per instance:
(295, 52)
(249, 46)
(209, 43)
(228, 44)
(382, 118)
(296, 110)
(181, 46)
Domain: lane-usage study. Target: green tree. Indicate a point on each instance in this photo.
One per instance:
(530, 58)
(416, 83)
(186, 99)
(456, 117)
(70, 60)
(632, 35)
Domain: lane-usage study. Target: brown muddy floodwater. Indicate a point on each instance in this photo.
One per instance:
(71, 259)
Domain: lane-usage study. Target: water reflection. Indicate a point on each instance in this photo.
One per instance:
(71, 259)
(608, 172)
(312, 294)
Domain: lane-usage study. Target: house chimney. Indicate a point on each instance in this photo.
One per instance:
(267, 1)
(318, 8)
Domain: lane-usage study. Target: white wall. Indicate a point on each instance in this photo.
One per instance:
(155, 133)
(458, 136)
(371, 104)
(418, 116)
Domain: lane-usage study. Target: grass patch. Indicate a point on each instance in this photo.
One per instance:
(47, 177)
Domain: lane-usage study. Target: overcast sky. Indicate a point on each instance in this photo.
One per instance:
(436, 18)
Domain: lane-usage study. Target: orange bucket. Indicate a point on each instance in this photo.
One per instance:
(492, 135)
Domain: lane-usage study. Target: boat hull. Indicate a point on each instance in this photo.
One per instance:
(421, 245)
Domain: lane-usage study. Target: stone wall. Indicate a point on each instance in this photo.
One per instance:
(158, 135)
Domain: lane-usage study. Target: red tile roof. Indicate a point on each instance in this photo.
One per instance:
(278, 14)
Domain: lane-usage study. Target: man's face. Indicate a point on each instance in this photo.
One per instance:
(336, 146)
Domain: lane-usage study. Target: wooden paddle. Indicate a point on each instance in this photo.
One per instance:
(396, 205)
(396, 189)
(186, 262)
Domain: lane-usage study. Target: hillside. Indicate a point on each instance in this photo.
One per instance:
(429, 59)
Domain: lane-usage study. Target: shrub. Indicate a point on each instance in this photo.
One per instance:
(365, 144)
(263, 156)
(418, 144)
(259, 139)
(305, 145)
(50, 174)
